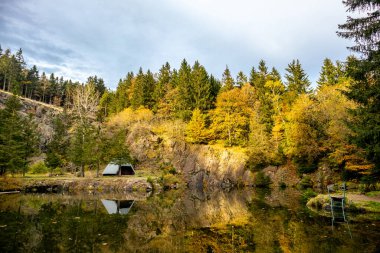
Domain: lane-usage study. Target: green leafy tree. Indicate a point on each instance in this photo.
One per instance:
(365, 90)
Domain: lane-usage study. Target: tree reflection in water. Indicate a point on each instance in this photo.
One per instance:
(176, 221)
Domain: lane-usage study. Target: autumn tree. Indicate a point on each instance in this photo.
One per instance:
(196, 131)
(230, 118)
(302, 143)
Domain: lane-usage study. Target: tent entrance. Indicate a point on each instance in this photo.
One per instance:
(127, 170)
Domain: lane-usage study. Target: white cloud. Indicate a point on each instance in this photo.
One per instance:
(110, 38)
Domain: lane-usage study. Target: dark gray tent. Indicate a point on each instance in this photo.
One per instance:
(118, 170)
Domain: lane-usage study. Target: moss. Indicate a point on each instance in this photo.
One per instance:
(318, 202)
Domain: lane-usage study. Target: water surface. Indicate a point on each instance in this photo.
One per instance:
(177, 221)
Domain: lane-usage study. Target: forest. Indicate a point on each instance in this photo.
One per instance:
(275, 119)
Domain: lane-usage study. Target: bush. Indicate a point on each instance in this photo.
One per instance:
(308, 194)
(57, 171)
(38, 168)
(261, 180)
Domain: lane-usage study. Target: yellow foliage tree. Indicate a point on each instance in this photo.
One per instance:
(301, 131)
(196, 131)
(230, 118)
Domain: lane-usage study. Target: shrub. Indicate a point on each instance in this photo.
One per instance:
(57, 171)
(38, 168)
(308, 194)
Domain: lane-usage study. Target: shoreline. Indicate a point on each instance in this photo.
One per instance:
(56, 185)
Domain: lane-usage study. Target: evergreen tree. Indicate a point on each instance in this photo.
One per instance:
(297, 81)
(123, 91)
(241, 79)
(148, 88)
(274, 75)
(201, 88)
(98, 83)
(253, 77)
(164, 79)
(33, 82)
(228, 82)
(18, 138)
(137, 93)
(328, 74)
(184, 90)
(56, 154)
(215, 87)
(365, 89)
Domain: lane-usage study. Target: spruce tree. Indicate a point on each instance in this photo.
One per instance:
(365, 90)
(184, 88)
(241, 79)
(227, 80)
(328, 74)
(297, 81)
(201, 88)
(164, 79)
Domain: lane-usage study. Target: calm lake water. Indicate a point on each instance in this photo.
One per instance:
(178, 221)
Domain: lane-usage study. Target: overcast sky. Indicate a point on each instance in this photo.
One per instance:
(108, 38)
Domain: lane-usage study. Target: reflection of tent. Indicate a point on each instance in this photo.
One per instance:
(115, 169)
(117, 206)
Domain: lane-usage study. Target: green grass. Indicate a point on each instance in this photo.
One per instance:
(373, 194)
(372, 206)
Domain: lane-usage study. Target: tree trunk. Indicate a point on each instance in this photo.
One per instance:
(5, 78)
(97, 169)
(82, 170)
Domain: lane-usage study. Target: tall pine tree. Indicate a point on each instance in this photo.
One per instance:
(365, 90)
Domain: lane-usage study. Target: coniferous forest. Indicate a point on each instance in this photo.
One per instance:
(275, 119)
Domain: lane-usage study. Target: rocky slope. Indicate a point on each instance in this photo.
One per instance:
(43, 113)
